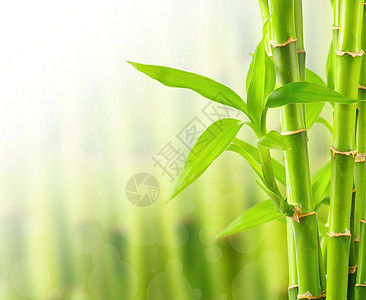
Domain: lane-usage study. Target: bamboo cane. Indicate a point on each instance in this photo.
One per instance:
(297, 162)
(360, 288)
(348, 60)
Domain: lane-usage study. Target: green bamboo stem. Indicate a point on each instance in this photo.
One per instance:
(360, 289)
(264, 153)
(297, 162)
(352, 253)
(346, 82)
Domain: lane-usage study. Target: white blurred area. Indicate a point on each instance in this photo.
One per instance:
(62, 62)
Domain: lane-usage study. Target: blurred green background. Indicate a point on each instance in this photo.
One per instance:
(84, 135)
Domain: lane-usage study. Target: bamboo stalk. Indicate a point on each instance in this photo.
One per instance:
(297, 162)
(360, 288)
(346, 82)
(352, 254)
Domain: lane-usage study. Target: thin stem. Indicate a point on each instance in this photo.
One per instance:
(297, 161)
(346, 82)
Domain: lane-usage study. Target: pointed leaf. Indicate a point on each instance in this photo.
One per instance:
(257, 215)
(321, 183)
(204, 86)
(305, 92)
(213, 141)
(278, 168)
(312, 112)
(252, 162)
(280, 203)
(330, 67)
(262, 80)
(323, 229)
(311, 76)
(273, 140)
(326, 124)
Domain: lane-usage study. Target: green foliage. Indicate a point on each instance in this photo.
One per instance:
(213, 141)
(274, 140)
(326, 124)
(241, 148)
(260, 82)
(321, 184)
(204, 86)
(313, 110)
(257, 215)
(305, 92)
(330, 67)
(281, 204)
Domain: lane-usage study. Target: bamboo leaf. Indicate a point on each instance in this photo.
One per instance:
(279, 171)
(204, 86)
(323, 229)
(321, 183)
(252, 162)
(281, 204)
(261, 80)
(313, 110)
(273, 140)
(326, 124)
(330, 67)
(311, 76)
(213, 141)
(325, 201)
(278, 168)
(305, 92)
(257, 215)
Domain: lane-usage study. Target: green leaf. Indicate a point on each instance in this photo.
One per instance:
(213, 141)
(204, 86)
(321, 183)
(261, 80)
(305, 92)
(311, 76)
(325, 201)
(326, 124)
(313, 110)
(273, 140)
(279, 171)
(281, 204)
(278, 168)
(323, 229)
(259, 214)
(235, 147)
(330, 67)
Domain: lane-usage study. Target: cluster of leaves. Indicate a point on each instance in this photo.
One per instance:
(222, 135)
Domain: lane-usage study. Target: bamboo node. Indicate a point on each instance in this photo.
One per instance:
(353, 54)
(335, 27)
(352, 269)
(298, 215)
(290, 40)
(360, 284)
(309, 296)
(363, 221)
(339, 234)
(360, 157)
(361, 87)
(293, 286)
(293, 132)
(301, 51)
(357, 239)
(348, 153)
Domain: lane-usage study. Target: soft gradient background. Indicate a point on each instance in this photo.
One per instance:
(77, 122)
